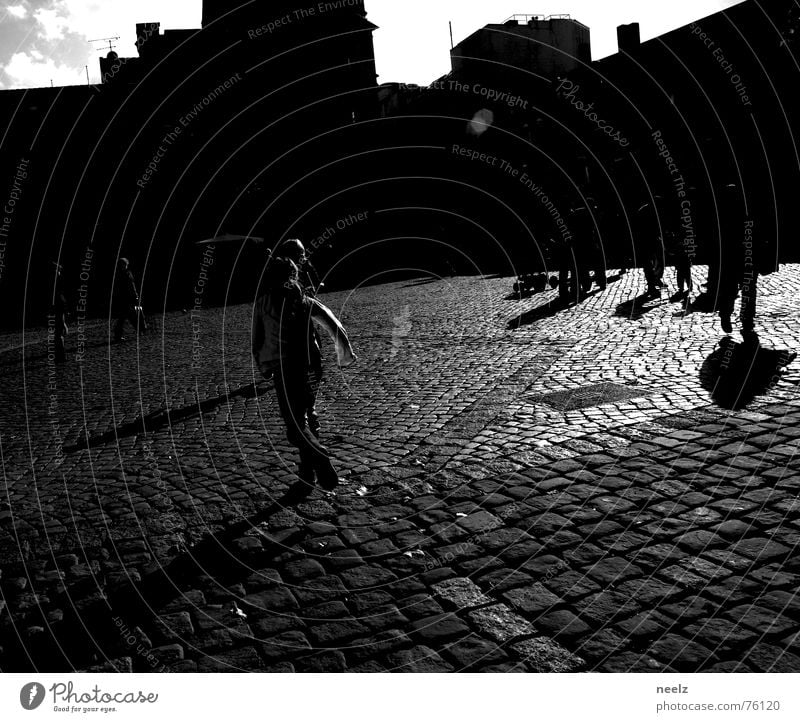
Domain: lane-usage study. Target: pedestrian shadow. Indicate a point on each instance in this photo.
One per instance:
(735, 374)
(522, 295)
(704, 303)
(422, 282)
(538, 314)
(547, 310)
(93, 616)
(163, 418)
(637, 308)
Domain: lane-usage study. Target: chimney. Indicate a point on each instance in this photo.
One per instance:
(628, 37)
(145, 32)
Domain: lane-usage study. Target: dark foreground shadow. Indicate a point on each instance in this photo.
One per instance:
(163, 418)
(637, 307)
(99, 624)
(735, 374)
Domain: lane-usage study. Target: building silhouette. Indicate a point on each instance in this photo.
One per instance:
(268, 121)
(222, 128)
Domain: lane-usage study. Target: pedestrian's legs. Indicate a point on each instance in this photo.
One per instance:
(727, 291)
(563, 276)
(138, 321)
(585, 274)
(58, 339)
(311, 402)
(292, 387)
(119, 326)
(649, 275)
(683, 272)
(658, 265)
(749, 297)
(600, 277)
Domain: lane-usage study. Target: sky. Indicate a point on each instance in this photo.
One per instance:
(44, 41)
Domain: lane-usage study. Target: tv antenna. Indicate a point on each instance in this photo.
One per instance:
(110, 41)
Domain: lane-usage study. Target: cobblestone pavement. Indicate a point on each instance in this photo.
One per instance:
(528, 489)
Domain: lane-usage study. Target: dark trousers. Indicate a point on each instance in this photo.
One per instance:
(296, 389)
(599, 268)
(59, 345)
(654, 267)
(568, 266)
(728, 289)
(683, 271)
(135, 317)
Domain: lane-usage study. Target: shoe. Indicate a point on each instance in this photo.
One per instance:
(329, 484)
(725, 322)
(750, 338)
(306, 473)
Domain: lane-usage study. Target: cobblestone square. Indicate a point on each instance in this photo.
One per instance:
(528, 489)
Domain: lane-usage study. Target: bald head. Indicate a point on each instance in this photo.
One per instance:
(294, 250)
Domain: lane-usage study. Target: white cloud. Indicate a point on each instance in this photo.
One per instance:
(44, 40)
(18, 11)
(51, 24)
(26, 71)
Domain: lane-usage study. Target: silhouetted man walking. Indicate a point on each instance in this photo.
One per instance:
(57, 323)
(738, 266)
(127, 302)
(285, 348)
(650, 246)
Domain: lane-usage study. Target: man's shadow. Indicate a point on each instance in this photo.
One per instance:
(735, 374)
(156, 420)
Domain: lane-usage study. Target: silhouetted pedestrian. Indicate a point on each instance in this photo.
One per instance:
(285, 349)
(681, 259)
(648, 237)
(127, 302)
(738, 266)
(582, 227)
(295, 251)
(567, 282)
(57, 321)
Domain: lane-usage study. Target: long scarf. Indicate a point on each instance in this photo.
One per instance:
(325, 320)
